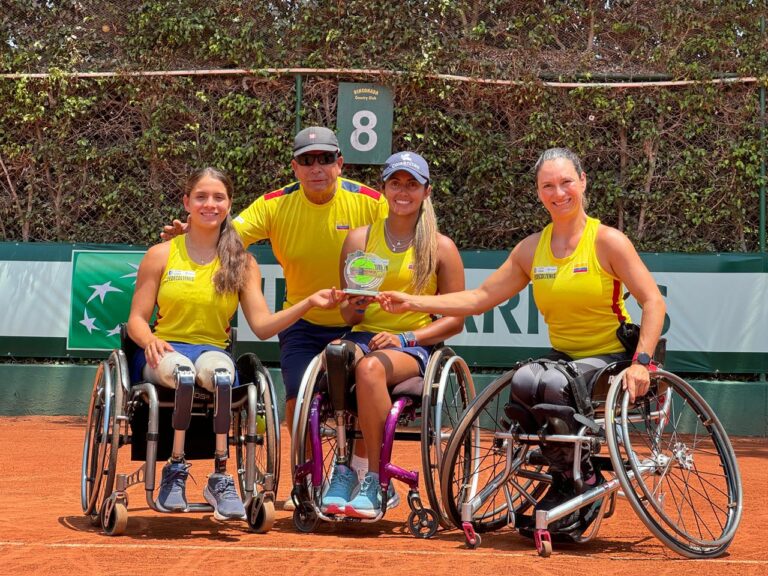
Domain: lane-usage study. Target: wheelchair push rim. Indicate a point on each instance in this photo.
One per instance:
(448, 390)
(263, 439)
(102, 433)
(676, 465)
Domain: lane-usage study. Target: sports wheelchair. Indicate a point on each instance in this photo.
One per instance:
(138, 414)
(668, 455)
(324, 433)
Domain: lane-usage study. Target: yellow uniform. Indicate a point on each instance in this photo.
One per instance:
(188, 307)
(306, 238)
(581, 304)
(399, 277)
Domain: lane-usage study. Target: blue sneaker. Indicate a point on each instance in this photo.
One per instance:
(173, 496)
(220, 492)
(343, 483)
(367, 503)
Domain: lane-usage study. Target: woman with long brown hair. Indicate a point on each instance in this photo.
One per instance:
(196, 281)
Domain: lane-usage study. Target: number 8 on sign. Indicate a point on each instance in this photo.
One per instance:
(364, 122)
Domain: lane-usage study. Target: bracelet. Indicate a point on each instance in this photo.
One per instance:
(408, 339)
(360, 310)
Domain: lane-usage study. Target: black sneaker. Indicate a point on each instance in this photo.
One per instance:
(589, 512)
(561, 490)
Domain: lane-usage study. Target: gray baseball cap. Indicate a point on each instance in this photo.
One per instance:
(315, 139)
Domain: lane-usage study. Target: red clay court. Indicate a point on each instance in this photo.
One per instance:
(42, 529)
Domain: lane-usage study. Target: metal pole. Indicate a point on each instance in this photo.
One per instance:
(299, 96)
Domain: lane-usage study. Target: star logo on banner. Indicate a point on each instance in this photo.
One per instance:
(89, 323)
(132, 274)
(101, 291)
(103, 281)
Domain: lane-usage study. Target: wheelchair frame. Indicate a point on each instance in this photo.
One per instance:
(664, 470)
(322, 435)
(255, 435)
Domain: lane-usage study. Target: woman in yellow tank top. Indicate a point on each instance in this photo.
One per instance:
(578, 268)
(390, 349)
(196, 282)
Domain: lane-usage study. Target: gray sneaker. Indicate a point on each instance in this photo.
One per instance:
(220, 492)
(173, 496)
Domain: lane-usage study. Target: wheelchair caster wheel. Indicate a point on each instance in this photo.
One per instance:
(422, 523)
(304, 518)
(114, 518)
(470, 536)
(546, 549)
(261, 515)
(475, 542)
(543, 542)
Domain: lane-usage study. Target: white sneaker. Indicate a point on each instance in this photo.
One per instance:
(288, 505)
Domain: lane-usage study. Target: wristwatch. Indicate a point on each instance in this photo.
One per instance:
(642, 358)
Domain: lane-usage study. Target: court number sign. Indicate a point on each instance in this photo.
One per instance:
(364, 119)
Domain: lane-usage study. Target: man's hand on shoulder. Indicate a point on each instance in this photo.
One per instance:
(170, 232)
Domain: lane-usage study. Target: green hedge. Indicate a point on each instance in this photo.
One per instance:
(676, 168)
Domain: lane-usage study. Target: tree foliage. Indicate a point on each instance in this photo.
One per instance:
(102, 159)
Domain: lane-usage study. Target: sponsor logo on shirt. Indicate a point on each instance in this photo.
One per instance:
(181, 275)
(544, 272)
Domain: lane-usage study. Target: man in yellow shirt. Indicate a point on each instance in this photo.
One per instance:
(306, 223)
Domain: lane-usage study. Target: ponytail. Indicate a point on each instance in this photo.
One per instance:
(233, 260)
(425, 246)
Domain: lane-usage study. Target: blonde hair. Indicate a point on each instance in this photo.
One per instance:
(233, 258)
(424, 246)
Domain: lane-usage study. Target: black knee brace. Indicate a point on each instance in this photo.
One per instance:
(222, 411)
(339, 366)
(185, 387)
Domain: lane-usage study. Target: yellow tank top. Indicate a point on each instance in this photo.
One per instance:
(581, 304)
(188, 308)
(399, 277)
(306, 238)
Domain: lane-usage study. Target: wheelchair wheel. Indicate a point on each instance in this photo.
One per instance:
(261, 515)
(266, 436)
(676, 465)
(113, 518)
(102, 434)
(309, 395)
(448, 389)
(301, 413)
(485, 467)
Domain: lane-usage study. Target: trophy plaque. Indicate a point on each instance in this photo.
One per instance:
(364, 273)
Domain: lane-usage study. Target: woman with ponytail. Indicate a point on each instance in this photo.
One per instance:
(196, 281)
(390, 349)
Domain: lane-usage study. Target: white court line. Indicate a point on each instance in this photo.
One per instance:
(390, 551)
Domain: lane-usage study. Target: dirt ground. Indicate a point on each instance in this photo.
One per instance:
(42, 529)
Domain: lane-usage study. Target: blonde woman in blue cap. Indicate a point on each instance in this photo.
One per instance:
(392, 348)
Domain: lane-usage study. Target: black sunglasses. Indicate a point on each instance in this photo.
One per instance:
(324, 159)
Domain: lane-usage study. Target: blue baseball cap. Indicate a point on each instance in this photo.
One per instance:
(411, 162)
